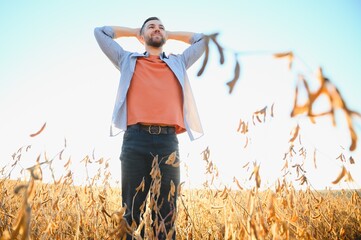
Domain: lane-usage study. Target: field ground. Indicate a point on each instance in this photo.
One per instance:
(63, 211)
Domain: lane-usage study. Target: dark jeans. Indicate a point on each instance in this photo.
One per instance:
(138, 152)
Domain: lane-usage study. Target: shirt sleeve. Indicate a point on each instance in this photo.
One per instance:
(105, 38)
(195, 51)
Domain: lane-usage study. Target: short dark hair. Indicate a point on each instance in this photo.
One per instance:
(147, 20)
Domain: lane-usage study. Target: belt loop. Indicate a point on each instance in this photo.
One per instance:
(139, 127)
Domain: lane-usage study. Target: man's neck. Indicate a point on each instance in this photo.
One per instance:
(153, 50)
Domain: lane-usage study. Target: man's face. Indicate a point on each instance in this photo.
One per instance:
(154, 33)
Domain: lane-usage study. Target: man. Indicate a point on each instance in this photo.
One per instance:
(154, 103)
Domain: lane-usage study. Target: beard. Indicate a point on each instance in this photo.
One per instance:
(155, 42)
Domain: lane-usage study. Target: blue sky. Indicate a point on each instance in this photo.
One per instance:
(53, 71)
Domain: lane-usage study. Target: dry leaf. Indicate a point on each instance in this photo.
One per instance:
(237, 71)
(66, 165)
(246, 144)
(288, 55)
(38, 132)
(242, 127)
(314, 159)
(219, 48)
(272, 111)
(172, 158)
(245, 165)
(340, 176)
(294, 133)
(237, 183)
(171, 191)
(353, 138)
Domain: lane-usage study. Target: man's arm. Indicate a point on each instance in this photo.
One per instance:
(193, 52)
(135, 32)
(180, 36)
(105, 37)
(125, 32)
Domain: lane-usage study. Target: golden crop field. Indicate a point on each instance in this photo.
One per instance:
(60, 210)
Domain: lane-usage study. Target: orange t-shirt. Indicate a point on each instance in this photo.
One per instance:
(155, 95)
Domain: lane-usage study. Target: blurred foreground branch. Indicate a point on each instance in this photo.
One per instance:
(326, 88)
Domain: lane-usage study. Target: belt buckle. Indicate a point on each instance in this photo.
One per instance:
(154, 129)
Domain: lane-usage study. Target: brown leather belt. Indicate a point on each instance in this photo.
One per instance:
(156, 129)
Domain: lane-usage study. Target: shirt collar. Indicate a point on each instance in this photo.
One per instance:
(162, 55)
